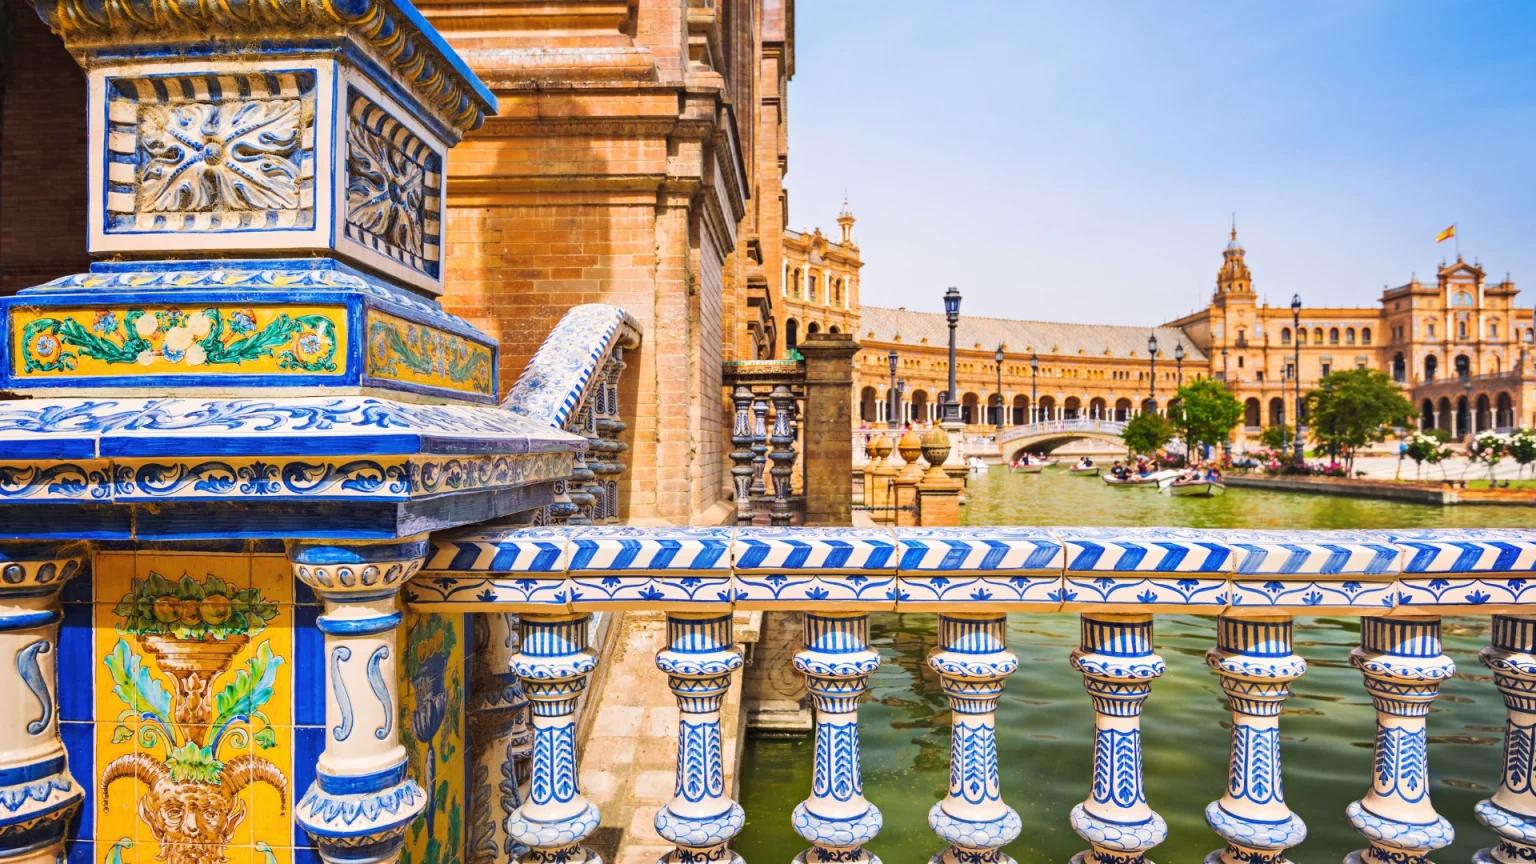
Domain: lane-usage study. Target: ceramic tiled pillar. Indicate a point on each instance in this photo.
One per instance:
(362, 799)
(554, 662)
(973, 660)
(1118, 669)
(1253, 656)
(698, 661)
(837, 662)
(499, 740)
(1511, 812)
(1403, 667)
(37, 794)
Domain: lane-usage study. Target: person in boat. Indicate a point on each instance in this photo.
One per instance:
(1119, 471)
(1084, 462)
(1213, 474)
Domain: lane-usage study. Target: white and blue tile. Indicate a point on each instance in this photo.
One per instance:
(1085, 592)
(543, 551)
(428, 593)
(1145, 550)
(555, 381)
(977, 592)
(1313, 569)
(620, 548)
(627, 591)
(875, 592)
(836, 550)
(1466, 550)
(979, 550)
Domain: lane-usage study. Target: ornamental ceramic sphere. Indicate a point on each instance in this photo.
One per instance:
(935, 448)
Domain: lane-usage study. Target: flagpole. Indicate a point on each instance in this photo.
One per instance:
(1456, 232)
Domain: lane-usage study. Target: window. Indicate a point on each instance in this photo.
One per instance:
(1461, 330)
(1365, 336)
(1429, 329)
(810, 293)
(1349, 336)
(1327, 367)
(1285, 335)
(1301, 336)
(1333, 335)
(1290, 372)
(1239, 362)
(798, 278)
(1493, 330)
(1462, 298)
(1260, 375)
(1317, 335)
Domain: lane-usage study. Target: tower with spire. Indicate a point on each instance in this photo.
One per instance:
(1233, 278)
(845, 221)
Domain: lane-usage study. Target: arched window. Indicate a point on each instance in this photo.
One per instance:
(1493, 329)
(791, 335)
(1285, 335)
(1276, 411)
(833, 329)
(1462, 298)
(1461, 330)
(837, 293)
(1333, 335)
(810, 290)
(867, 400)
(1349, 336)
(1317, 335)
(1530, 334)
(797, 280)
(1463, 366)
(1301, 336)
(1399, 368)
(1429, 328)
(1430, 366)
(812, 327)
(1365, 336)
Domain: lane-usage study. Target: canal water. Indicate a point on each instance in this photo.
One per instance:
(1045, 722)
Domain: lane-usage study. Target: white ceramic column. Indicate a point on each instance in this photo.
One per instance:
(37, 794)
(698, 661)
(1118, 668)
(362, 800)
(1511, 812)
(1403, 667)
(1253, 656)
(554, 662)
(973, 660)
(837, 662)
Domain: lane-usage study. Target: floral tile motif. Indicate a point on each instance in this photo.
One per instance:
(979, 550)
(394, 184)
(1321, 553)
(555, 381)
(620, 548)
(839, 550)
(432, 730)
(173, 340)
(1461, 591)
(1035, 591)
(401, 350)
(1157, 550)
(210, 153)
(502, 550)
(1314, 593)
(769, 591)
(1144, 591)
(598, 592)
(1467, 550)
(449, 592)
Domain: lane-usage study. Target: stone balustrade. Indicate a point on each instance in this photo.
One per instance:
(1116, 579)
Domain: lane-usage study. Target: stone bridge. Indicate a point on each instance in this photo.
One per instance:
(1047, 436)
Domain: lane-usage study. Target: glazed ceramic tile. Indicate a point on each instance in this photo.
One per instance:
(1318, 593)
(979, 550)
(618, 548)
(1312, 553)
(961, 592)
(513, 550)
(673, 591)
(432, 689)
(1157, 550)
(1466, 550)
(837, 550)
(555, 381)
(796, 590)
(1083, 592)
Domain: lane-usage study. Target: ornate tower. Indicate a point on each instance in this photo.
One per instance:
(845, 221)
(1233, 278)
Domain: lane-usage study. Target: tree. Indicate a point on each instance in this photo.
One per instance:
(1205, 412)
(1147, 433)
(1276, 437)
(1353, 408)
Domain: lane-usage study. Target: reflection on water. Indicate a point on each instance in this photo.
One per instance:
(1045, 721)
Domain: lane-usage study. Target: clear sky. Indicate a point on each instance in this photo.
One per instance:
(1080, 161)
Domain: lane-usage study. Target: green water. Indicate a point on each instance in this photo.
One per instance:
(1045, 722)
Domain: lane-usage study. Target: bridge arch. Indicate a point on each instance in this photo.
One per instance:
(1046, 436)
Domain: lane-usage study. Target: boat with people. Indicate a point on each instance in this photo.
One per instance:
(1027, 464)
(1137, 481)
(976, 465)
(1084, 467)
(1195, 483)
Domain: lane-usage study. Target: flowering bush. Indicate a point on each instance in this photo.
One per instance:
(1522, 447)
(1424, 447)
(1488, 448)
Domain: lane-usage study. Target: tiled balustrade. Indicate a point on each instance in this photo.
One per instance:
(1116, 579)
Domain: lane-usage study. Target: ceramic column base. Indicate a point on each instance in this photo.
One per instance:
(1399, 842)
(1517, 835)
(556, 842)
(1238, 855)
(360, 820)
(1252, 841)
(699, 835)
(836, 834)
(972, 841)
(38, 801)
(1106, 856)
(1117, 842)
(1365, 856)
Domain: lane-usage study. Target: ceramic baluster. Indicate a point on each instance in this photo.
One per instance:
(759, 447)
(37, 794)
(783, 455)
(1403, 667)
(498, 734)
(1511, 812)
(362, 800)
(742, 456)
(837, 662)
(698, 661)
(553, 662)
(1253, 656)
(972, 659)
(1118, 668)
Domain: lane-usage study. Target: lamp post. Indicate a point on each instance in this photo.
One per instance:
(1152, 379)
(901, 393)
(1034, 369)
(998, 356)
(893, 408)
(1178, 361)
(952, 314)
(1471, 425)
(1223, 364)
(1296, 369)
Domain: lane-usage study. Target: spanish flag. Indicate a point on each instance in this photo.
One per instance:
(1446, 234)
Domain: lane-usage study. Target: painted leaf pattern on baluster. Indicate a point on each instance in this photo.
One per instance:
(1519, 750)
(835, 773)
(554, 765)
(973, 763)
(1254, 769)
(1117, 767)
(1402, 761)
(700, 762)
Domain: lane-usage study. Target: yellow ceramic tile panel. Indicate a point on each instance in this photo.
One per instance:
(168, 340)
(111, 576)
(194, 678)
(271, 575)
(402, 350)
(432, 729)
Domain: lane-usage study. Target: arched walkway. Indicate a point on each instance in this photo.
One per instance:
(1020, 410)
(867, 400)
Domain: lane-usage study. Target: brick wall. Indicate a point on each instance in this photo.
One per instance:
(42, 156)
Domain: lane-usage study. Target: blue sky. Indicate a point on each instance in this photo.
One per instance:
(1081, 160)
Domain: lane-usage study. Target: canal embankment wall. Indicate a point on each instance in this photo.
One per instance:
(1443, 495)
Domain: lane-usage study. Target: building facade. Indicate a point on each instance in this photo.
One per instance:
(820, 289)
(1460, 347)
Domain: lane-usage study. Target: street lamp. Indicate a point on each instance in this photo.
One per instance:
(998, 356)
(893, 409)
(1223, 364)
(1034, 369)
(1296, 368)
(901, 390)
(952, 314)
(1178, 361)
(1152, 381)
